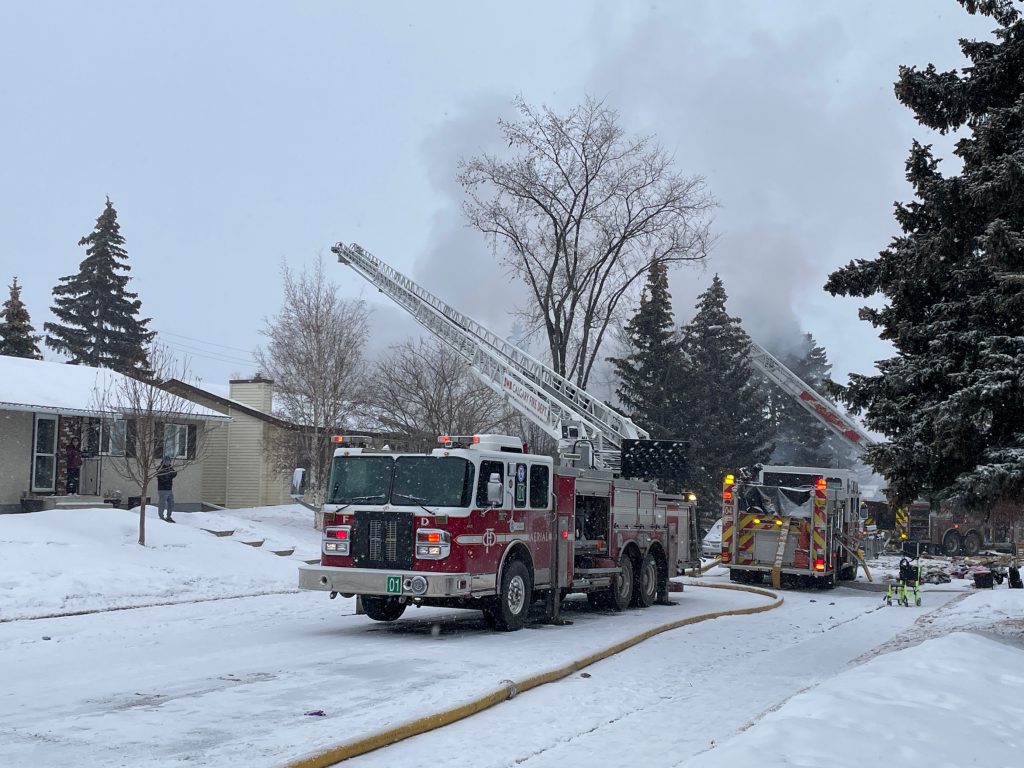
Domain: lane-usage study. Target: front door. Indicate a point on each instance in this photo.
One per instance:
(44, 454)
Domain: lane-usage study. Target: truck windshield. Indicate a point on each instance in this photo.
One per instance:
(430, 481)
(360, 479)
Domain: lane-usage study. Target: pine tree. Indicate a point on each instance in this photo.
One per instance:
(800, 438)
(16, 332)
(98, 317)
(724, 408)
(649, 374)
(952, 399)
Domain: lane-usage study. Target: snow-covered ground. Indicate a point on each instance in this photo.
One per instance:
(212, 658)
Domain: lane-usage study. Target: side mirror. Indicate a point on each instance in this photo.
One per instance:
(494, 490)
(298, 483)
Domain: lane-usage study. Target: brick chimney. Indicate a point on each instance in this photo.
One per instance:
(256, 392)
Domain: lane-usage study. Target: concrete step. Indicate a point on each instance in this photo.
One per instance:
(284, 552)
(75, 502)
(257, 543)
(219, 533)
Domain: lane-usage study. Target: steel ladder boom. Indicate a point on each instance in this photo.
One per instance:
(545, 397)
(824, 409)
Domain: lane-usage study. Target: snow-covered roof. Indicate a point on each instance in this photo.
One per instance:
(71, 390)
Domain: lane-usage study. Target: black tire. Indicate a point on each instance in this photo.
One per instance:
(645, 582)
(849, 572)
(598, 600)
(971, 544)
(951, 543)
(620, 594)
(514, 598)
(735, 574)
(382, 608)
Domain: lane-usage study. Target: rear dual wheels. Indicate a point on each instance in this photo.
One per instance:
(619, 595)
(972, 544)
(645, 582)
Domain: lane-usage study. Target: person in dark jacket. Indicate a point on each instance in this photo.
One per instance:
(165, 475)
(74, 465)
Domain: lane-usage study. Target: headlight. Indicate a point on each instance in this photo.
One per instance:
(432, 544)
(337, 540)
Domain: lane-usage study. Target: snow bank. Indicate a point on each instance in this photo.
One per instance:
(947, 702)
(63, 561)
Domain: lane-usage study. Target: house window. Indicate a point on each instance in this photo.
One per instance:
(176, 441)
(104, 437)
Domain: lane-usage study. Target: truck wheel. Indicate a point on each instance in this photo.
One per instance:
(971, 544)
(951, 543)
(515, 597)
(382, 608)
(621, 592)
(645, 582)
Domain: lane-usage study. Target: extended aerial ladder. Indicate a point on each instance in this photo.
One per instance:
(824, 409)
(562, 409)
(828, 414)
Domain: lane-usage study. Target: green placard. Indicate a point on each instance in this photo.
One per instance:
(520, 485)
(394, 585)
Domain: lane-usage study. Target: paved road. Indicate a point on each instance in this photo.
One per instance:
(673, 696)
(229, 683)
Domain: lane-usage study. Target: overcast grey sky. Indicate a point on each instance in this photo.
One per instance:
(233, 135)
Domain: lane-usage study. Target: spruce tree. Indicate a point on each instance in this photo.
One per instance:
(650, 373)
(723, 403)
(16, 332)
(99, 322)
(952, 398)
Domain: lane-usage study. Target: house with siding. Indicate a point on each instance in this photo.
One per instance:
(239, 469)
(43, 405)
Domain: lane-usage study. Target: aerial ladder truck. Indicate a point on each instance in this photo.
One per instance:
(481, 523)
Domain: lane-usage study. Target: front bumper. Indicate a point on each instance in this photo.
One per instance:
(364, 581)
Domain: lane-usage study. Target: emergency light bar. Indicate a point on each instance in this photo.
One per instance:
(465, 439)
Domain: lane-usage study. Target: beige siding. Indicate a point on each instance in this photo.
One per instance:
(245, 461)
(15, 456)
(276, 482)
(215, 464)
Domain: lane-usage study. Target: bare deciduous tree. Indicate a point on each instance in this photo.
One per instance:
(157, 421)
(315, 357)
(580, 213)
(423, 389)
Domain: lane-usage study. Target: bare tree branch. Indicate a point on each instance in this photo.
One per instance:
(424, 390)
(580, 213)
(314, 354)
(153, 418)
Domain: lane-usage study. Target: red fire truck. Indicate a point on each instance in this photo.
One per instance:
(481, 523)
(796, 525)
